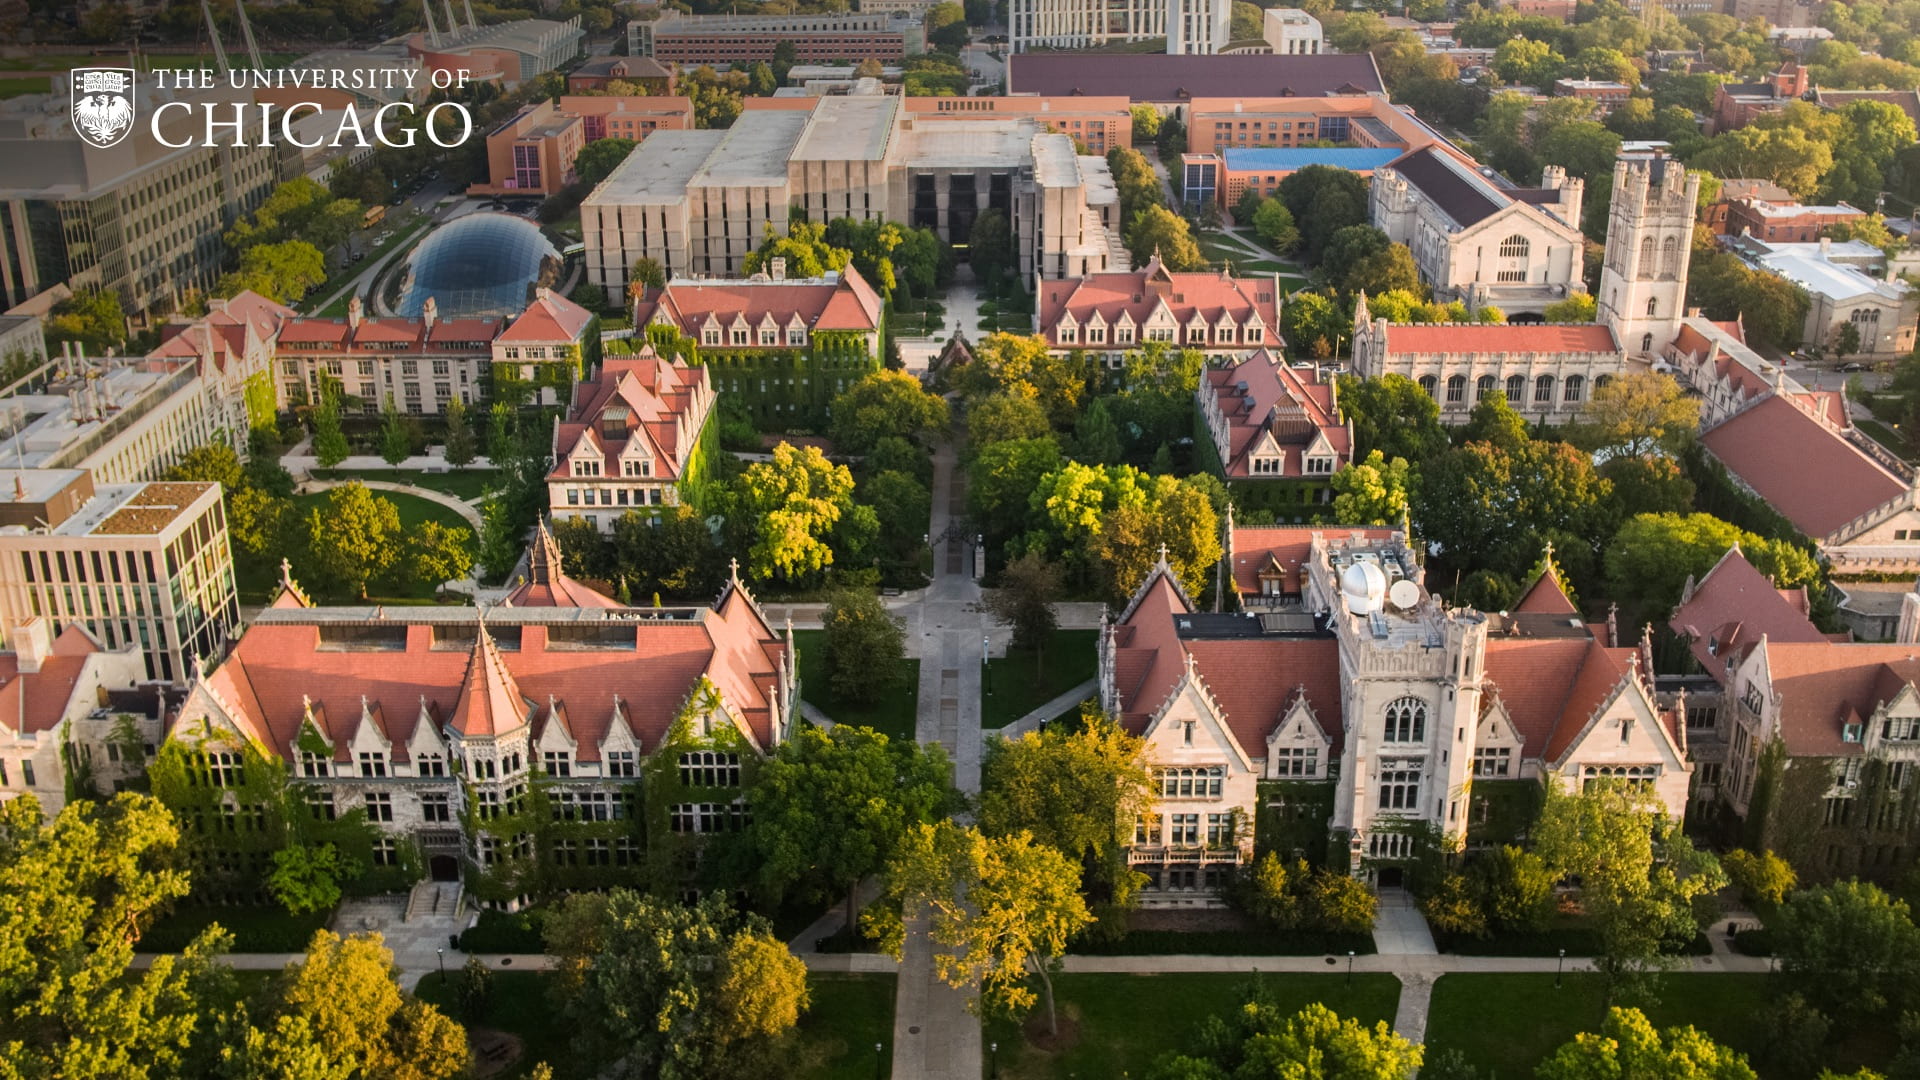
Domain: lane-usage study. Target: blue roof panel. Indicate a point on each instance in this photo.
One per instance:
(1286, 158)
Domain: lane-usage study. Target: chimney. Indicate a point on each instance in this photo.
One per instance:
(779, 268)
(354, 309)
(32, 642)
(429, 312)
(1826, 247)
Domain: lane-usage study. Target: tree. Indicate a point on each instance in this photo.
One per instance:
(347, 996)
(1170, 515)
(460, 445)
(672, 991)
(1004, 908)
(1313, 322)
(1627, 1046)
(1765, 877)
(1029, 587)
(1391, 414)
(864, 646)
(1156, 230)
(882, 404)
(81, 890)
(437, 553)
(1652, 556)
(1578, 308)
(990, 246)
(648, 273)
(91, 317)
(1850, 948)
(1096, 438)
(354, 539)
(1489, 507)
(1341, 1048)
(307, 877)
(597, 160)
(947, 25)
(1372, 492)
(1647, 485)
(1639, 874)
(1788, 156)
(1516, 889)
(1273, 224)
(795, 500)
(1002, 480)
(396, 442)
(1146, 123)
(1022, 365)
(1323, 200)
(999, 417)
(1584, 148)
(1494, 421)
(284, 271)
(831, 807)
(1639, 413)
(1521, 62)
(329, 443)
(1844, 342)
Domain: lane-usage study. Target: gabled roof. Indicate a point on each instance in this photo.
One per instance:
(1500, 337)
(1808, 472)
(1450, 185)
(490, 701)
(33, 702)
(1268, 403)
(547, 584)
(1138, 294)
(1533, 678)
(1546, 595)
(550, 318)
(651, 400)
(1825, 686)
(1732, 607)
(1283, 549)
(842, 301)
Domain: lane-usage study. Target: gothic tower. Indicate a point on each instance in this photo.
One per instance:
(1643, 280)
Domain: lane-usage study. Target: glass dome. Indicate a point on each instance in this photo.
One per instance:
(480, 264)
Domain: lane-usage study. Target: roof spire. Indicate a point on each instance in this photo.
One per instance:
(544, 563)
(733, 570)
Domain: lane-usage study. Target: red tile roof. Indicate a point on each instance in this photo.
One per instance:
(1534, 678)
(1546, 595)
(1285, 548)
(34, 702)
(662, 404)
(1264, 396)
(845, 303)
(490, 701)
(1803, 469)
(1139, 294)
(1500, 337)
(1732, 607)
(1601, 671)
(551, 318)
(547, 584)
(1825, 686)
(381, 335)
(1255, 681)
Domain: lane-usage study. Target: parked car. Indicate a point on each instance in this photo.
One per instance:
(1855, 366)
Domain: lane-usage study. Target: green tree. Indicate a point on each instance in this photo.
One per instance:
(1627, 1045)
(1646, 485)
(329, 442)
(1490, 507)
(346, 994)
(436, 553)
(1096, 438)
(1584, 148)
(597, 160)
(1273, 224)
(354, 539)
(864, 646)
(1323, 200)
(999, 417)
(1373, 491)
(1844, 341)
(1639, 412)
(1029, 588)
(1578, 308)
(1156, 230)
(946, 25)
(886, 403)
(673, 991)
(1765, 877)
(1314, 324)
(831, 807)
(460, 446)
(1002, 479)
(1004, 909)
(285, 271)
(396, 442)
(1521, 62)
(1341, 1047)
(1652, 556)
(307, 877)
(1850, 948)
(1393, 415)
(1168, 514)
(795, 500)
(1146, 124)
(1022, 365)
(990, 246)
(1788, 156)
(1516, 889)
(648, 273)
(91, 317)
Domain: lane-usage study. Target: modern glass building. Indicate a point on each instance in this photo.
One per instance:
(480, 264)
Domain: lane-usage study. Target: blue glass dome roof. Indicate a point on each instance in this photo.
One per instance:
(480, 264)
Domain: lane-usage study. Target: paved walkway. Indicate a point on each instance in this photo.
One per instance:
(1059, 705)
(1398, 927)
(458, 505)
(834, 919)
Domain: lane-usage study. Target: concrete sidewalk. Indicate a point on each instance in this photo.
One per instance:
(1059, 705)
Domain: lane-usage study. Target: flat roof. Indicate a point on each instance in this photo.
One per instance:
(1832, 280)
(658, 169)
(1002, 143)
(753, 152)
(848, 129)
(1163, 78)
(35, 485)
(1054, 163)
(145, 509)
(1281, 158)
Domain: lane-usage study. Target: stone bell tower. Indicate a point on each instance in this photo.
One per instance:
(1643, 279)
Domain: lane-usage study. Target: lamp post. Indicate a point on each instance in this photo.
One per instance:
(1558, 967)
(1349, 967)
(442, 953)
(986, 673)
(993, 1051)
(879, 1062)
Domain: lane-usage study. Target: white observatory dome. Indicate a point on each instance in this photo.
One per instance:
(1364, 586)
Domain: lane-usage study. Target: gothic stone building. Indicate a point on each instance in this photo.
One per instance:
(506, 747)
(1364, 715)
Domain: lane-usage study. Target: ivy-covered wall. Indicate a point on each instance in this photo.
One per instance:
(1284, 500)
(679, 861)
(510, 386)
(697, 477)
(262, 406)
(1875, 837)
(1292, 819)
(783, 388)
(1502, 811)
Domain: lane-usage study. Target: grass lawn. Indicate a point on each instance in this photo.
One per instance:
(848, 1015)
(460, 483)
(260, 582)
(894, 714)
(1886, 437)
(1505, 1024)
(255, 929)
(24, 84)
(1125, 1021)
(1020, 685)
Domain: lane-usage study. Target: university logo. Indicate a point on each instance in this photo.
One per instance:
(102, 104)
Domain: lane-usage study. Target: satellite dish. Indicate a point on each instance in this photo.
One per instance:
(1404, 595)
(1364, 586)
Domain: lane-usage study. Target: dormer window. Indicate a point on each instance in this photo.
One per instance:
(1123, 335)
(641, 467)
(1069, 333)
(1319, 466)
(373, 763)
(314, 765)
(739, 335)
(1096, 335)
(796, 336)
(710, 336)
(558, 763)
(769, 336)
(1267, 466)
(586, 467)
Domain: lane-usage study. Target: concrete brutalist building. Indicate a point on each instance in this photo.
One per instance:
(699, 201)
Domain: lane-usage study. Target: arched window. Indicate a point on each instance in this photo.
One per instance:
(1514, 247)
(1427, 383)
(1456, 389)
(1670, 258)
(1543, 390)
(1646, 257)
(1483, 387)
(1646, 343)
(1575, 384)
(1516, 388)
(1600, 382)
(1653, 306)
(1407, 721)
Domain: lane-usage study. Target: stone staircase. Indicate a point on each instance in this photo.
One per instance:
(1119, 261)
(434, 899)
